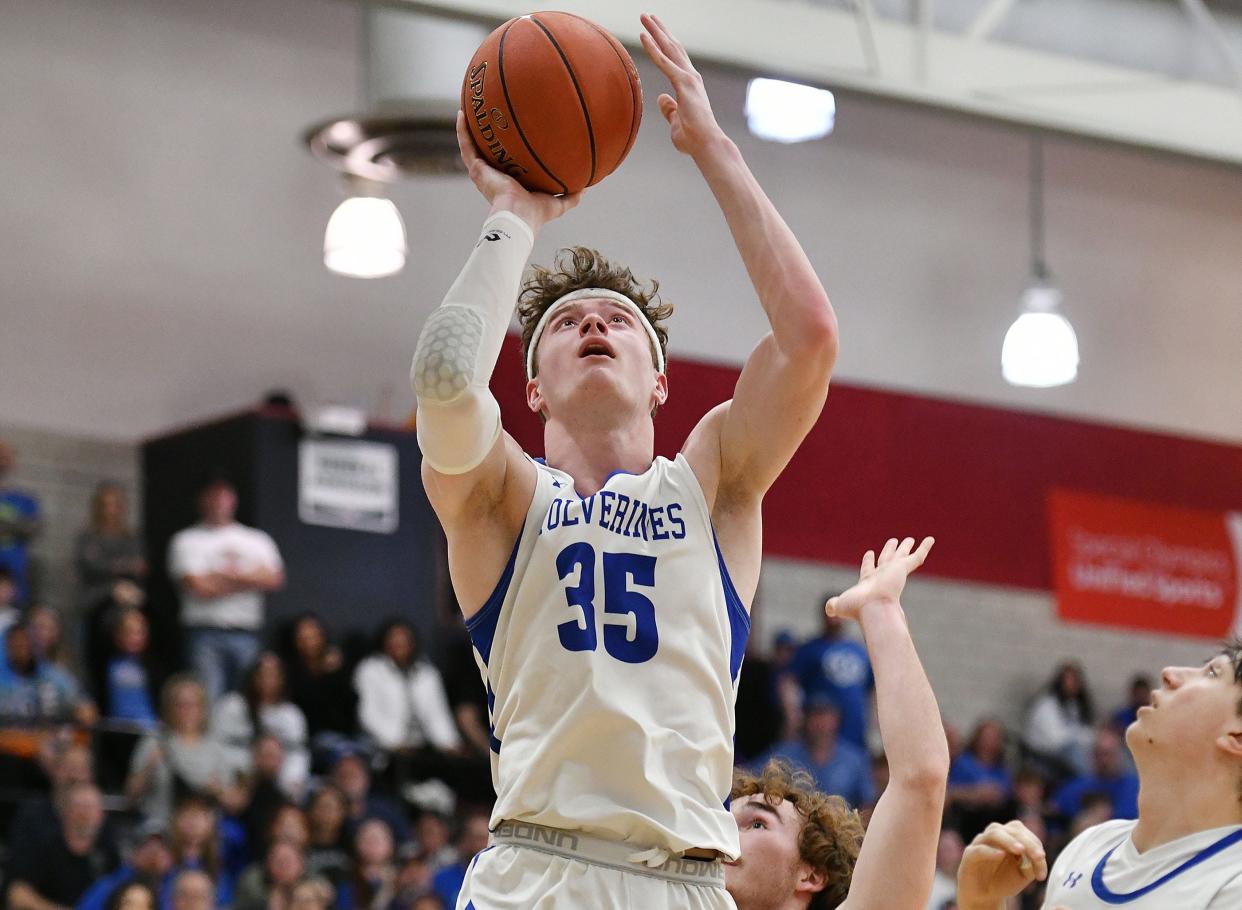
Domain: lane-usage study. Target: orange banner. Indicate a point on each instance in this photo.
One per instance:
(1138, 565)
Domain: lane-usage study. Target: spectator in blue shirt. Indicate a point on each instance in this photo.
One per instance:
(980, 785)
(836, 667)
(838, 767)
(149, 861)
(19, 525)
(1109, 777)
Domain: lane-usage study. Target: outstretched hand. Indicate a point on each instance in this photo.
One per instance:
(503, 192)
(882, 579)
(694, 126)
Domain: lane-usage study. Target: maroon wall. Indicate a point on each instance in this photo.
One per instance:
(880, 464)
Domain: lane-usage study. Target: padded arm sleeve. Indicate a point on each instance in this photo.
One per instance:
(458, 419)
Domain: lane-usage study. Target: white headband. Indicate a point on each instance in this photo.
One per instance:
(592, 294)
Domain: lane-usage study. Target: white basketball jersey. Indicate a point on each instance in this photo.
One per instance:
(610, 650)
(1102, 869)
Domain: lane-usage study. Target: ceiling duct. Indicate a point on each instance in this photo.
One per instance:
(413, 65)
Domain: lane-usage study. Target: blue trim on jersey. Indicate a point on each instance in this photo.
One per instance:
(491, 726)
(1109, 897)
(739, 619)
(482, 625)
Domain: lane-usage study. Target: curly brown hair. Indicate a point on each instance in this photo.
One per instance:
(832, 832)
(578, 267)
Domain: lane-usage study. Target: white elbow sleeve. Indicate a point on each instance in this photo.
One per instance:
(458, 419)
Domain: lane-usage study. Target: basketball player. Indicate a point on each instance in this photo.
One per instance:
(1185, 850)
(605, 590)
(801, 848)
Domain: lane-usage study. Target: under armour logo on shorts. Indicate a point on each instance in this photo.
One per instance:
(1072, 879)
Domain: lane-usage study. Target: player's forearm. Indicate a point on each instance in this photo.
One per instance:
(909, 718)
(458, 419)
(797, 306)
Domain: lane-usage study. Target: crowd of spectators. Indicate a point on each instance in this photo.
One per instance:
(297, 772)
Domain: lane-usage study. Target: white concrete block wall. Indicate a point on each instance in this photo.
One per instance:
(986, 649)
(62, 471)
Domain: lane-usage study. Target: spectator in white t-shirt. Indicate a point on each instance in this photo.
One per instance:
(223, 569)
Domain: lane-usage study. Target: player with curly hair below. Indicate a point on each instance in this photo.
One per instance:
(1184, 852)
(806, 849)
(605, 590)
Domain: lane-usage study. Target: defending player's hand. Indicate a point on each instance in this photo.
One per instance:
(882, 579)
(999, 863)
(694, 126)
(503, 192)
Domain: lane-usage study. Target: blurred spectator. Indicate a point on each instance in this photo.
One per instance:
(471, 841)
(1058, 725)
(428, 902)
(261, 707)
(839, 767)
(327, 853)
(193, 889)
(34, 696)
(352, 776)
(19, 525)
(466, 694)
(784, 650)
(1140, 695)
(223, 569)
(58, 871)
(318, 681)
(312, 893)
(262, 795)
(149, 861)
(980, 786)
(196, 845)
(401, 700)
(270, 886)
(108, 552)
(9, 613)
(1030, 794)
(836, 667)
(414, 878)
(948, 857)
(1110, 777)
(66, 762)
(182, 757)
(131, 896)
(759, 709)
(432, 834)
(127, 693)
(373, 884)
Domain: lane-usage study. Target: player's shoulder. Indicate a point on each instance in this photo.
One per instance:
(1110, 832)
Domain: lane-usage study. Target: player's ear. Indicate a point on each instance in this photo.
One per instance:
(811, 880)
(534, 398)
(660, 394)
(1230, 739)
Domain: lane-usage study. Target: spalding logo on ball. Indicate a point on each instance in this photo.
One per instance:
(553, 100)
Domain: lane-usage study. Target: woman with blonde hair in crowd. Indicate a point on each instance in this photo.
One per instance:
(181, 755)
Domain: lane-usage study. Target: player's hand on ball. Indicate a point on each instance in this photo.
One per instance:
(881, 579)
(694, 126)
(503, 192)
(1000, 862)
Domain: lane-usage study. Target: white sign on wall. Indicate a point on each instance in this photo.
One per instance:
(348, 484)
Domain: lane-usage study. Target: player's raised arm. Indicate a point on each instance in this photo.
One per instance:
(459, 432)
(898, 857)
(785, 381)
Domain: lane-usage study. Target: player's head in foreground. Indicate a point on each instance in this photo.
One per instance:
(1191, 732)
(799, 845)
(593, 340)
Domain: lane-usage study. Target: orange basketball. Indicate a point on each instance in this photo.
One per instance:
(553, 100)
